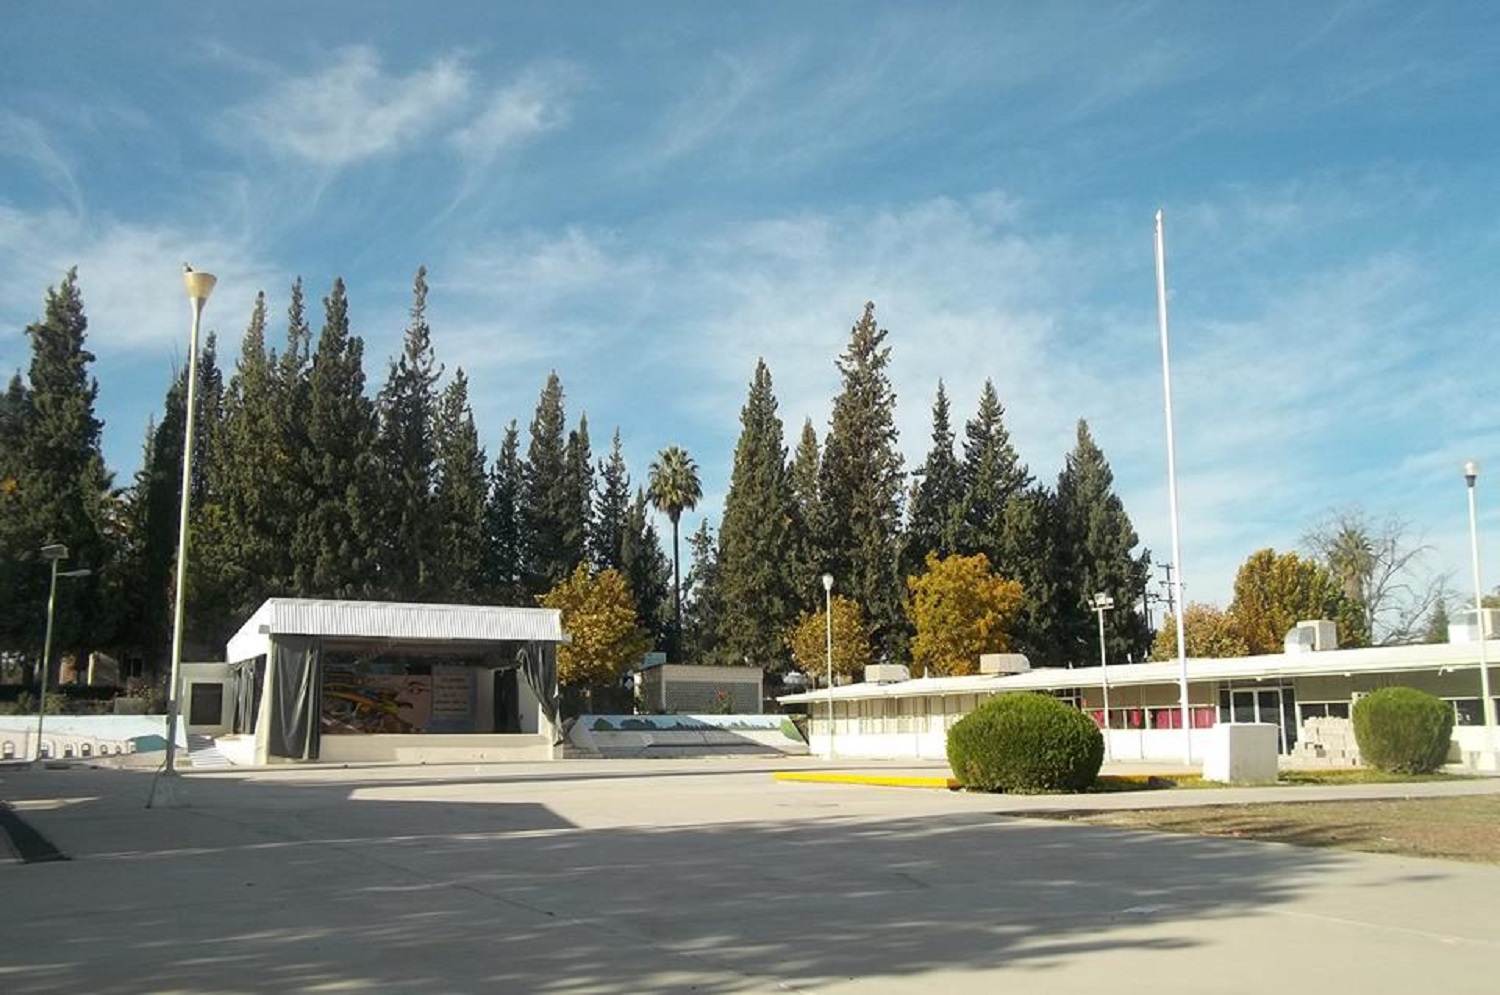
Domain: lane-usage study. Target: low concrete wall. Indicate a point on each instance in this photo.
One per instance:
(685, 735)
(434, 748)
(85, 736)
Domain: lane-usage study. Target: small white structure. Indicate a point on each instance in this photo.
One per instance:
(698, 689)
(369, 681)
(1241, 754)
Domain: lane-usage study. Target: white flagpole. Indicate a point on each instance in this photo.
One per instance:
(1166, 377)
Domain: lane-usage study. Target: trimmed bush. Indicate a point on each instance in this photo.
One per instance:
(1026, 744)
(1403, 730)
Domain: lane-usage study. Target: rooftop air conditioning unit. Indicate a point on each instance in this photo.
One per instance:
(1463, 628)
(1004, 663)
(1312, 637)
(886, 673)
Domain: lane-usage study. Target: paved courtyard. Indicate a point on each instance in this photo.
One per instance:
(692, 876)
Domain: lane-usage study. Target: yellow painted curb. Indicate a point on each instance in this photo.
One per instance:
(878, 780)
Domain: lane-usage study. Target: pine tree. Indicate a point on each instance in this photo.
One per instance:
(937, 497)
(459, 496)
(611, 505)
(860, 488)
(335, 541)
(702, 606)
(407, 408)
(1098, 543)
(544, 495)
(504, 543)
(1032, 546)
(992, 474)
(62, 492)
(647, 570)
(755, 570)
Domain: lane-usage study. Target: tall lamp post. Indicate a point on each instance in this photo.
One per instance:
(1471, 473)
(1176, 594)
(1103, 603)
(164, 789)
(828, 623)
(53, 553)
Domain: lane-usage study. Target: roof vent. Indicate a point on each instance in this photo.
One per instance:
(1004, 663)
(1312, 637)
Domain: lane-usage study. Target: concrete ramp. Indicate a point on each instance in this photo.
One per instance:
(684, 736)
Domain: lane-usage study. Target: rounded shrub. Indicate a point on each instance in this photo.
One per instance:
(1025, 743)
(1403, 730)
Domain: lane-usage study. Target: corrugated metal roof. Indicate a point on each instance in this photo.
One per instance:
(1378, 659)
(393, 620)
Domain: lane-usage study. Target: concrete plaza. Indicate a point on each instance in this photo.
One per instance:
(697, 876)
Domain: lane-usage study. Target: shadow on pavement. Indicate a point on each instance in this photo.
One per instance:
(276, 887)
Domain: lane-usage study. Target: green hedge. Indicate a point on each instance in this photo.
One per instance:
(1403, 730)
(1025, 743)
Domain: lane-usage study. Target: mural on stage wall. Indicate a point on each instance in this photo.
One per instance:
(398, 696)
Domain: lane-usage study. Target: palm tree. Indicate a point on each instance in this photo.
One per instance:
(673, 489)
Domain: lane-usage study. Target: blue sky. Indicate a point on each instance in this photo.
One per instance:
(647, 197)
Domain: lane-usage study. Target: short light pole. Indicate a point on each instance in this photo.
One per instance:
(1471, 474)
(1103, 603)
(53, 553)
(828, 624)
(163, 787)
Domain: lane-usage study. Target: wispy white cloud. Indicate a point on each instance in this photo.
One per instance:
(353, 110)
(536, 102)
(26, 140)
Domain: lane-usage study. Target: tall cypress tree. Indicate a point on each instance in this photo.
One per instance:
(16, 568)
(992, 475)
(807, 546)
(504, 542)
(937, 497)
(336, 538)
(209, 618)
(459, 496)
(860, 487)
(756, 557)
(62, 493)
(1099, 541)
(253, 472)
(407, 408)
(544, 495)
(578, 487)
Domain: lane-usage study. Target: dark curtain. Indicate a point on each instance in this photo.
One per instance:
(538, 662)
(296, 698)
(248, 675)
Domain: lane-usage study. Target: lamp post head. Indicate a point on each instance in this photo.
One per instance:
(199, 285)
(1103, 601)
(1471, 471)
(81, 572)
(52, 552)
(828, 582)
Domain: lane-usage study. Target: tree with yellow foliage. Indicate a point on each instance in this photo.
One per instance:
(598, 612)
(1211, 634)
(960, 609)
(808, 641)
